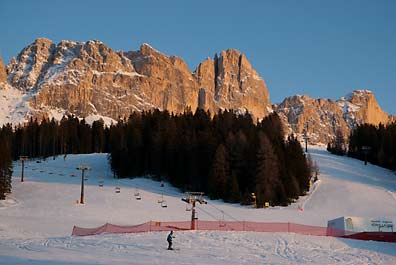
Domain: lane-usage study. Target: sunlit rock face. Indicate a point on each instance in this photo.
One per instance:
(90, 78)
(321, 118)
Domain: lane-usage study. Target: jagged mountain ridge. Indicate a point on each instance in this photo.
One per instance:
(89, 78)
(321, 118)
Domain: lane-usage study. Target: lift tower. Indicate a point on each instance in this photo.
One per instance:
(192, 198)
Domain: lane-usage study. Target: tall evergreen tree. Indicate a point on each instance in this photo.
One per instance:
(267, 170)
(5, 163)
(218, 174)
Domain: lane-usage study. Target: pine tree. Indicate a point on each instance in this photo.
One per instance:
(5, 164)
(218, 174)
(267, 170)
(232, 189)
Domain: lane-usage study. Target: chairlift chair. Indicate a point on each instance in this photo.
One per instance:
(188, 207)
(164, 204)
(117, 190)
(137, 195)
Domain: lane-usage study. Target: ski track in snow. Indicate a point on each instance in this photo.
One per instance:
(36, 220)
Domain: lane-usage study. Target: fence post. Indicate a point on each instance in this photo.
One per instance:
(288, 227)
(243, 226)
(150, 226)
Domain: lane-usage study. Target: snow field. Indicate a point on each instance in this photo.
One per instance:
(37, 218)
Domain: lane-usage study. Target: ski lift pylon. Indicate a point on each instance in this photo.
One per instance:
(161, 199)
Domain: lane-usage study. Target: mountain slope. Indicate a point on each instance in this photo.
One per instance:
(38, 217)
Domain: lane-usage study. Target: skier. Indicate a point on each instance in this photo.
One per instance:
(169, 239)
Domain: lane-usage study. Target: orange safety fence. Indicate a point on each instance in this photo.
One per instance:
(210, 226)
(234, 226)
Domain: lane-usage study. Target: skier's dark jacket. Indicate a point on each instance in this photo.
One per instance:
(170, 237)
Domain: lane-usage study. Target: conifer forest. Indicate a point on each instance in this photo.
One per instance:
(227, 155)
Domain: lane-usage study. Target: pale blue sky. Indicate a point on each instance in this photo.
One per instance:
(315, 47)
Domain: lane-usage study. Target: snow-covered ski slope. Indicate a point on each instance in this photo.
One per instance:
(37, 218)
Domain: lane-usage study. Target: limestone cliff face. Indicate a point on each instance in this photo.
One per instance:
(323, 117)
(90, 78)
(3, 74)
(169, 84)
(230, 82)
(32, 61)
(361, 107)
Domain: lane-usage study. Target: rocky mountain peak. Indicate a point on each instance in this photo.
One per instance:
(361, 107)
(147, 50)
(23, 73)
(323, 117)
(229, 80)
(89, 78)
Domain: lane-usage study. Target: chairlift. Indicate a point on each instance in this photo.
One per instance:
(101, 181)
(117, 190)
(137, 195)
(188, 207)
(164, 204)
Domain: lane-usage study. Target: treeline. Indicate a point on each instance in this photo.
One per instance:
(51, 138)
(5, 161)
(48, 138)
(377, 144)
(228, 156)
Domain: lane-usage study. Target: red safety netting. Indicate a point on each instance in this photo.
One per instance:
(209, 225)
(234, 226)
